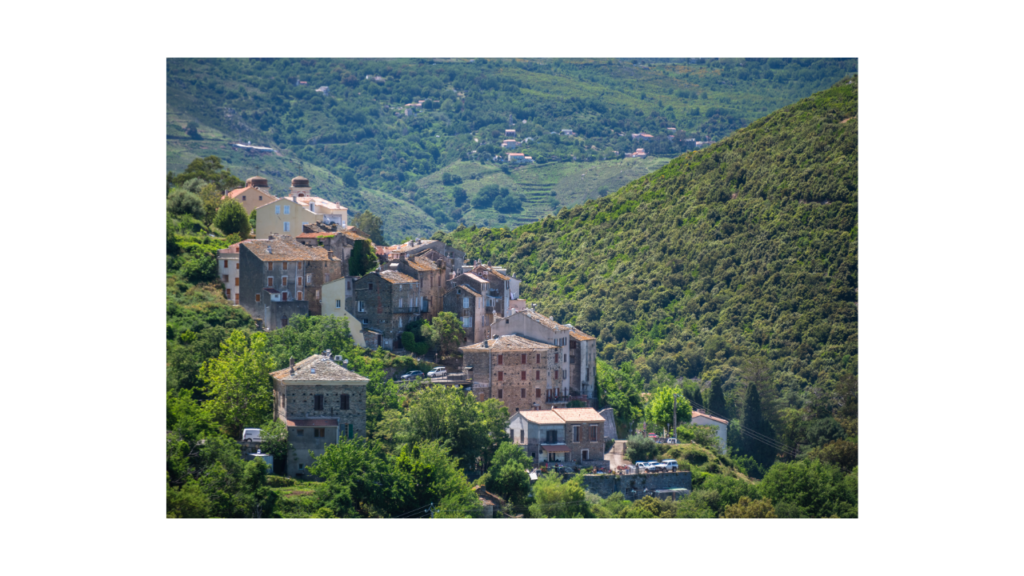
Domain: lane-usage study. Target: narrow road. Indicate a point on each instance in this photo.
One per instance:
(616, 456)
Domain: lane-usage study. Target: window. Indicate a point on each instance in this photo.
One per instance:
(399, 321)
(556, 374)
(366, 322)
(361, 306)
(284, 281)
(287, 226)
(318, 402)
(257, 297)
(552, 436)
(537, 395)
(565, 357)
(538, 358)
(225, 263)
(298, 281)
(522, 392)
(225, 276)
(499, 389)
(287, 210)
(465, 302)
(584, 454)
(284, 296)
(522, 375)
(236, 297)
(270, 266)
(337, 303)
(277, 209)
(351, 431)
(243, 198)
(572, 344)
(298, 295)
(261, 197)
(538, 375)
(318, 433)
(284, 265)
(299, 431)
(500, 359)
(512, 435)
(236, 265)
(270, 281)
(575, 433)
(236, 280)
(467, 322)
(344, 401)
(400, 302)
(371, 286)
(309, 278)
(501, 375)
(593, 432)
(284, 322)
(524, 359)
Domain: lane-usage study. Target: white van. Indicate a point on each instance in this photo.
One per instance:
(251, 435)
(439, 372)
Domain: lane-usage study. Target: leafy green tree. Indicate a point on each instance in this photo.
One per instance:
(841, 453)
(747, 508)
(371, 226)
(185, 202)
(308, 335)
(252, 220)
(620, 389)
(274, 439)
(238, 383)
(459, 195)
(508, 477)
(817, 489)
(555, 499)
(196, 269)
(363, 259)
(211, 170)
(211, 198)
(659, 408)
(641, 449)
(445, 332)
(699, 504)
(231, 219)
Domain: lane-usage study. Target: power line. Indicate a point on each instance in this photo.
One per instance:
(755, 435)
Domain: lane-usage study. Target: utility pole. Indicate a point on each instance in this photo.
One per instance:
(675, 420)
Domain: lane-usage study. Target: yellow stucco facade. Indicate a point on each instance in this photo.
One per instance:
(283, 216)
(333, 304)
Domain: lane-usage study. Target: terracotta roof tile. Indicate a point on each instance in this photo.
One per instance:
(697, 413)
(579, 334)
(578, 414)
(542, 416)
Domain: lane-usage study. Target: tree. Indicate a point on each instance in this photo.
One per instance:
(508, 477)
(274, 439)
(659, 408)
(371, 226)
(192, 129)
(716, 402)
(238, 383)
(211, 170)
(211, 198)
(445, 332)
(231, 219)
(747, 508)
(363, 259)
(350, 180)
(459, 195)
(756, 429)
(620, 389)
(555, 499)
(184, 202)
(641, 449)
(817, 489)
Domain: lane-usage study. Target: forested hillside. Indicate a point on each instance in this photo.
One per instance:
(730, 264)
(361, 145)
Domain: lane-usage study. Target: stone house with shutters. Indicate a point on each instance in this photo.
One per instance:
(577, 351)
(429, 269)
(319, 402)
(522, 373)
(228, 269)
(384, 302)
(280, 278)
(573, 435)
(468, 305)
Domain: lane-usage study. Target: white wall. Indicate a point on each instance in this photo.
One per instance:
(723, 429)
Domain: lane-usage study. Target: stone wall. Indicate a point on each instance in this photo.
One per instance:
(604, 485)
(510, 387)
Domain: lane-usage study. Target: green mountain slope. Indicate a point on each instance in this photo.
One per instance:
(360, 130)
(747, 248)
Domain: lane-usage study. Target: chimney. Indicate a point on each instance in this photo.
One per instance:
(330, 254)
(291, 364)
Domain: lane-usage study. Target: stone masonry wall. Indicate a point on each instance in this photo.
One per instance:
(515, 392)
(604, 485)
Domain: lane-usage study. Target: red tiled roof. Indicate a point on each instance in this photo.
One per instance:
(696, 413)
(578, 414)
(312, 422)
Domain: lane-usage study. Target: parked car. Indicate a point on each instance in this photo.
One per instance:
(645, 467)
(671, 441)
(251, 435)
(412, 375)
(670, 465)
(657, 467)
(439, 372)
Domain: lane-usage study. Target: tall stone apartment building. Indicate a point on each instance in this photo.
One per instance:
(453, 257)
(524, 374)
(280, 278)
(320, 402)
(228, 269)
(429, 269)
(331, 237)
(468, 305)
(384, 302)
(560, 435)
(577, 352)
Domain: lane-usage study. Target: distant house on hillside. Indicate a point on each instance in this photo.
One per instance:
(509, 144)
(670, 129)
(324, 90)
(510, 133)
(642, 136)
(568, 132)
(520, 158)
(254, 194)
(638, 154)
(698, 418)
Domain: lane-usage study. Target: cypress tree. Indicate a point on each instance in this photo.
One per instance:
(754, 421)
(717, 400)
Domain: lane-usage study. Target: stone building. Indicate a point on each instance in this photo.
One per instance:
(331, 237)
(320, 402)
(453, 257)
(560, 435)
(228, 269)
(279, 278)
(577, 352)
(384, 302)
(520, 372)
(429, 269)
(468, 305)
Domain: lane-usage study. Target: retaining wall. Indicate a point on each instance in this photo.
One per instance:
(604, 485)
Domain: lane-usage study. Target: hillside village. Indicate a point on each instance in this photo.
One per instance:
(315, 370)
